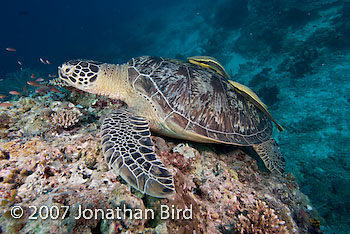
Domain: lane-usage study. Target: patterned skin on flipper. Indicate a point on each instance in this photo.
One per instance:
(270, 153)
(128, 149)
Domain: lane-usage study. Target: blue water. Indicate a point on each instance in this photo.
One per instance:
(293, 54)
(62, 30)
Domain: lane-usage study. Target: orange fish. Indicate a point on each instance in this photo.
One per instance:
(14, 93)
(32, 76)
(47, 61)
(2, 96)
(5, 104)
(54, 89)
(24, 88)
(20, 63)
(42, 90)
(42, 60)
(39, 79)
(11, 49)
(33, 83)
(52, 75)
(39, 91)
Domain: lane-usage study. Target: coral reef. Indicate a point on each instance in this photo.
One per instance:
(65, 118)
(217, 190)
(262, 220)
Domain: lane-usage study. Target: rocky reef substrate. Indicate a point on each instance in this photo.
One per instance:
(54, 178)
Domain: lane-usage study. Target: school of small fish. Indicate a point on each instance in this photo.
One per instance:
(11, 49)
(41, 89)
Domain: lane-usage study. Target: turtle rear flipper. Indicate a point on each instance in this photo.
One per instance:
(128, 149)
(270, 153)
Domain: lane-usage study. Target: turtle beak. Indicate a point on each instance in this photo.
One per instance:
(61, 73)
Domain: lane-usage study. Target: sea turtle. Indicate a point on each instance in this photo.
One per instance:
(173, 98)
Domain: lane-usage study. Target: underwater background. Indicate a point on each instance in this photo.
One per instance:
(293, 54)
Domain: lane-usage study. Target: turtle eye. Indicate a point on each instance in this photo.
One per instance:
(67, 70)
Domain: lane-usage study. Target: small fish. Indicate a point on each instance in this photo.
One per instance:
(52, 75)
(14, 93)
(42, 90)
(24, 88)
(42, 60)
(11, 49)
(54, 89)
(39, 91)
(33, 83)
(47, 61)
(32, 76)
(20, 63)
(2, 96)
(39, 79)
(6, 104)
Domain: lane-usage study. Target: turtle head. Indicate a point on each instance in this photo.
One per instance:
(81, 74)
(95, 77)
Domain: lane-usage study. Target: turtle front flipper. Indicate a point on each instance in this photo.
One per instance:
(270, 153)
(128, 149)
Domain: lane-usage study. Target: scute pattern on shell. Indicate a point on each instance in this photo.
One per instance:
(199, 100)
